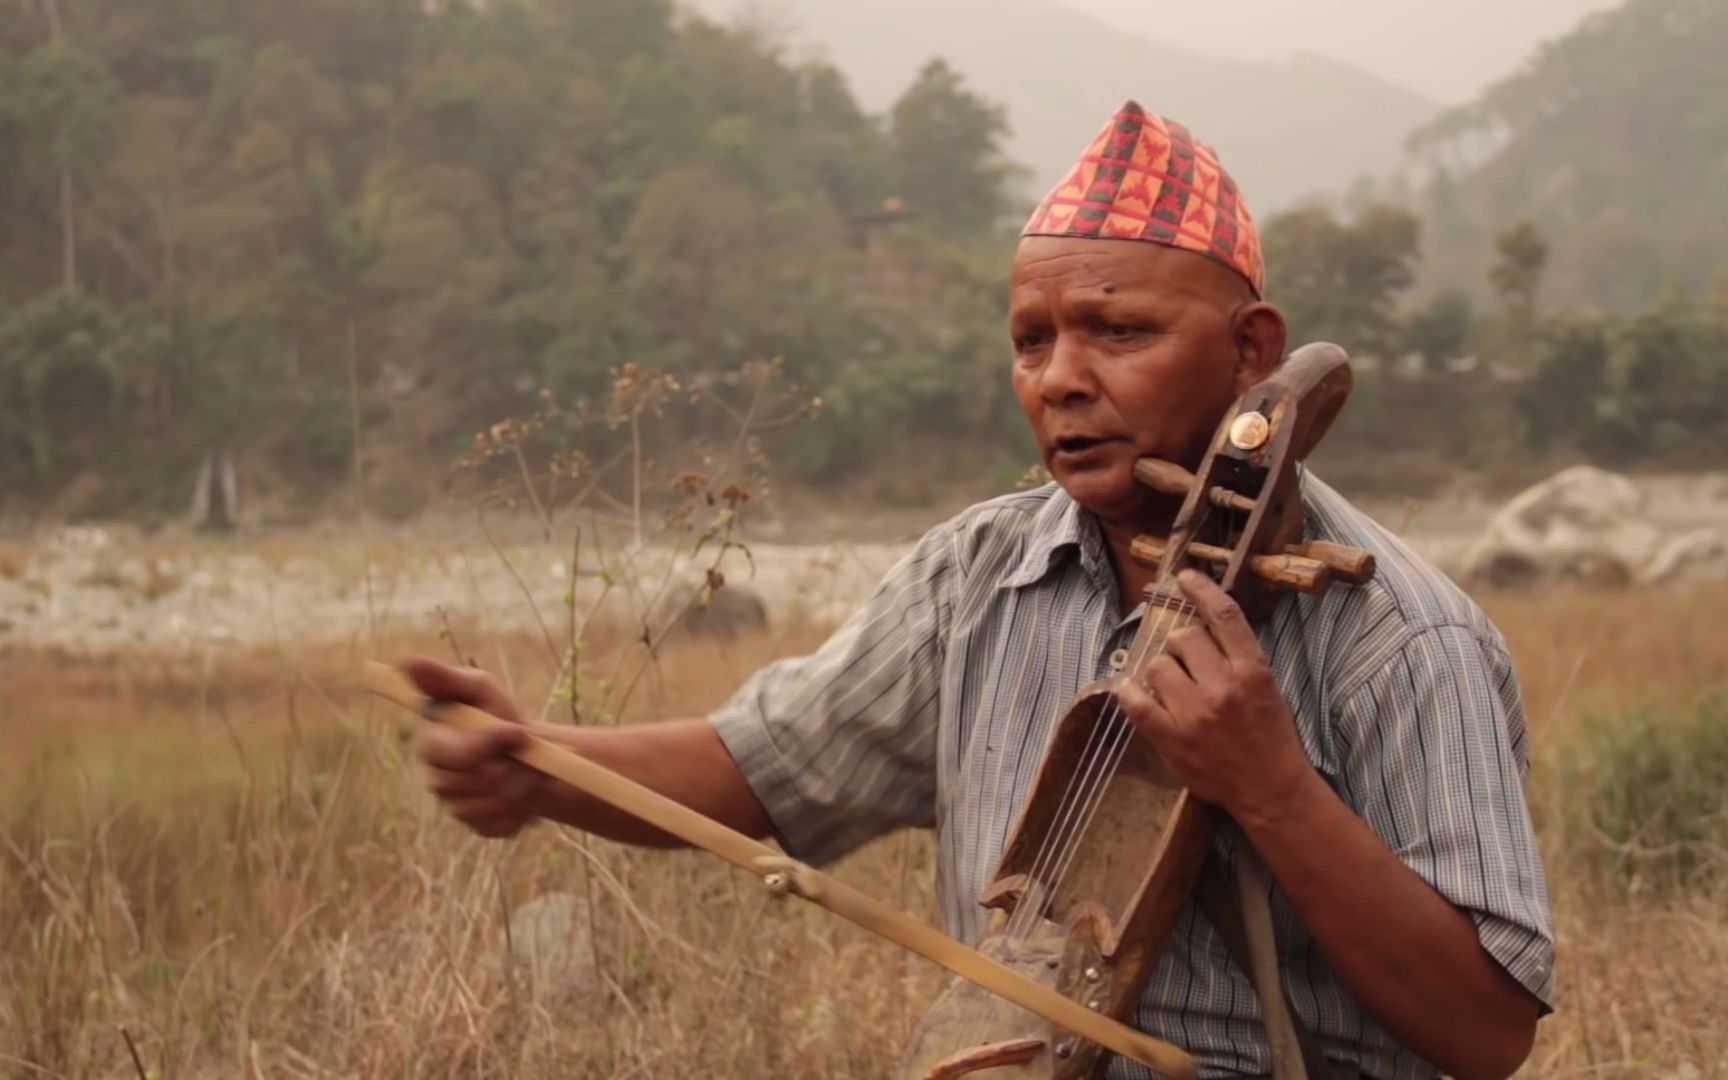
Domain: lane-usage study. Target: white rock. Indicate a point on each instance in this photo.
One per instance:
(80, 540)
(1695, 557)
(551, 943)
(1583, 524)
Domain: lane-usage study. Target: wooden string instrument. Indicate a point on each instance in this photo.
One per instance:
(1050, 1005)
(1107, 848)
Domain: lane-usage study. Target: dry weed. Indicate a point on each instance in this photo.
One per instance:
(233, 859)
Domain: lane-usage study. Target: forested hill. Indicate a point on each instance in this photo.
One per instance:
(1613, 140)
(262, 225)
(1288, 129)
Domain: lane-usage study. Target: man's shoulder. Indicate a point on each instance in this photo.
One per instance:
(994, 537)
(1016, 508)
(1409, 596)
(1005, 518)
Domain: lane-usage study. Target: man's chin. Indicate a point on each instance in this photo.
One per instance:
(1105, 492)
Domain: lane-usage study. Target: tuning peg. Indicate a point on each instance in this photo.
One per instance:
(1350, 565)
(1169, 478)
(1165, 477)
(1284, 571)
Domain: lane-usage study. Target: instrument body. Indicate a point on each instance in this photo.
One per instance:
(1129, 843)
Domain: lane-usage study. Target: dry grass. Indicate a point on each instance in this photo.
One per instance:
(13, 563)
(232, 859)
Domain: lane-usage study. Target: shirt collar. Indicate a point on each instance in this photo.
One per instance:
(1060, 527)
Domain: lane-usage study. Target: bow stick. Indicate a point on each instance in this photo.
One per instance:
(784, 875)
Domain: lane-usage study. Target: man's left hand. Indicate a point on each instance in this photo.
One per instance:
(1212, 710)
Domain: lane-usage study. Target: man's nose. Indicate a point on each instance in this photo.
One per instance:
(1068, 375)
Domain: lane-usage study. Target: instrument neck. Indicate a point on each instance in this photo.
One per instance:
(1167, 611)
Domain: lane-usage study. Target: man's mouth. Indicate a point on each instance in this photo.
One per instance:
(1077, 448)
(1077, 445)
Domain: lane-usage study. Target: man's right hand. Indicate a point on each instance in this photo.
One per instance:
(474, 773)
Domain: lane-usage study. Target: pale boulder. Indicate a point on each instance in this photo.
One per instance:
(1583, 525)
(1690, 559)
(552, 944)
(690, 611)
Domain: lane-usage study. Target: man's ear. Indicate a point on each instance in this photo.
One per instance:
(1259, 334)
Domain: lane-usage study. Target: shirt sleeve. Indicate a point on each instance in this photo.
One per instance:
(840, 745)
(1434, 758)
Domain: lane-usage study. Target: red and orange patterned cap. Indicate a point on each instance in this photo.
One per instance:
(1146, 177)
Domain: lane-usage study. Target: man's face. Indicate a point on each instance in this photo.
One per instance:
(1123, 350)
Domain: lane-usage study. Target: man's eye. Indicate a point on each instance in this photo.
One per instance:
(1029, 342)
(1119, 330)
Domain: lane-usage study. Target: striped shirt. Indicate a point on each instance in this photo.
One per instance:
(931, 707)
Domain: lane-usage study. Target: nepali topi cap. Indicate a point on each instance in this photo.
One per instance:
(1147, 178)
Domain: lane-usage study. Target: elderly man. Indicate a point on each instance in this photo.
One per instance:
(1368, 743)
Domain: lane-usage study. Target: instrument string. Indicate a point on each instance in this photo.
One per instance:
(1105, 747)
(1029, 909)
(1121, 737)
(1091, 778)
(1055, 836)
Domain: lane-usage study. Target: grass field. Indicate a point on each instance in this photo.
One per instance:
(225, 866)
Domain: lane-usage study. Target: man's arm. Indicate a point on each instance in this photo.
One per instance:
(1410, 956)
(1414, 959)
(825, 751)
(495, 795)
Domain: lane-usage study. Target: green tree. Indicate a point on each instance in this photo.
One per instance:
(1443, 329)
(946, 143)
(1565, 395)
(1517, 279)
(1341, 281)
(60, 379)
(67, 100)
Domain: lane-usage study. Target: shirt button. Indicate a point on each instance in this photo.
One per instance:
(1118, 659)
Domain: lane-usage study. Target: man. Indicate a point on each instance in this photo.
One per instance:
(1369, 743)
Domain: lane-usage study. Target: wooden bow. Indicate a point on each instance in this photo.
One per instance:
(784, 876)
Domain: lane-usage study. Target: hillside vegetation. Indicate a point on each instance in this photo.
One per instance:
(332, 241)
(267, 226)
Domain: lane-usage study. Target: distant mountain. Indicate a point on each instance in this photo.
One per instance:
(1448, 51)
(1613, 141)
(1286, 129)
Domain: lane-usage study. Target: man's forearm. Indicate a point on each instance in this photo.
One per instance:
(1410, 956)
(681, 759)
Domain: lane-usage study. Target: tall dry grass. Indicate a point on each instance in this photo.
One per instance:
(229, 863)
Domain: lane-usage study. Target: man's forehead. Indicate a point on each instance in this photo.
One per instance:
(1085, 267)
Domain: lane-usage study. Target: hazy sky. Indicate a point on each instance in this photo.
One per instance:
(1445, 49)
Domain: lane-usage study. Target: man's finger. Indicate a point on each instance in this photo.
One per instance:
(470, 686)
(487, 817)
(457, 783)
(1142, 706)
(1170, 683)
(1198, 651)
(467, 751)
(521, 784)
(1220, 614)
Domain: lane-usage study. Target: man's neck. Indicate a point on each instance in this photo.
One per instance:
(1132, 578)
